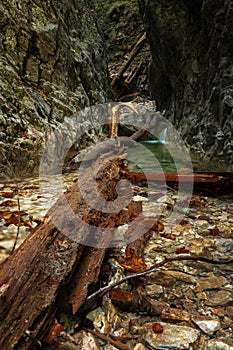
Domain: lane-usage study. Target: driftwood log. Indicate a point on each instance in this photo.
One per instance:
(209, 183)
(49, 275)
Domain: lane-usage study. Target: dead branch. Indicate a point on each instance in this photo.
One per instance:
(136, 49)
(156, 267)
(133, 74)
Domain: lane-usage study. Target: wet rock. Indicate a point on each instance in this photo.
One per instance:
(180, 276)
(208, 283)
(229, 312)
(202, 296)
(86, 340)
(139, 346)
(218, 344)
(161, 278)
(53, 64)
(101, 324)
(153, 290)
(207, 324)
(219, 298)
(218, 311)
(173, 337)
(109, 347)
(175, 315)
(199, 95)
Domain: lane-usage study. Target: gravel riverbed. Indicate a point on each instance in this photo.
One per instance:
(196, 296)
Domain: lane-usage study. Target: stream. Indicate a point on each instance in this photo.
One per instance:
(196, 297)
(146, 156)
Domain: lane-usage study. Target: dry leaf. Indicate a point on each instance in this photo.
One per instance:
(8, 203)
(214, 231)
(55, 330)
(157, 327)
(155, 225)
(169, 236)
(158, 226)
(7, 194)
(182, 250)
(132, 262)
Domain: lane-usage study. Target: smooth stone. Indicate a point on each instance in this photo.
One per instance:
(229, 312)
(173, 337)
(153, 290)
(175, 315)
(181, 276)
(217, 344)
(219, 311)
(208, 283)
(207, 324)
(138, 198)
(86, 341)
(139, 346)
(220, 298)
(7, 244)
(161, 278)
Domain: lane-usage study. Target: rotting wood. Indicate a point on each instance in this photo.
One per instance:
(39, 274)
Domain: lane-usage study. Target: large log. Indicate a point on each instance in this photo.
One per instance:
(209, 182)
(50, 273)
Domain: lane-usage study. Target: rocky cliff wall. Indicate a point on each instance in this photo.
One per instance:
(52, 63)
(191, 74)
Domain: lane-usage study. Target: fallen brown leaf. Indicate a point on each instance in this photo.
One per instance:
(157, 327)
(132, 262)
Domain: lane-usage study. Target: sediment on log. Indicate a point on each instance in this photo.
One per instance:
(50, 273)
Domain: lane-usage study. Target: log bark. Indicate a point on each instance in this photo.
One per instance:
(209, 182)
(50, 273)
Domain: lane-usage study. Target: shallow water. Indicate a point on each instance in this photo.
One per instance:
(157, 157)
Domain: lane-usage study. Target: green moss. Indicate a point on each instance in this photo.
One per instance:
(117, 7)
(121, 24)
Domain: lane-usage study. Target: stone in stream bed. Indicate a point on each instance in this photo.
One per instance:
(172, 337)
(208, 283)
(219, 344)
(207, 324)
(220, 298)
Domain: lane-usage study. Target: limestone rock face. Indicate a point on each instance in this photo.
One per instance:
(52, 63)
(192, 69)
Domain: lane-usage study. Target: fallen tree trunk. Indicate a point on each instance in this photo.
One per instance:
(209, 182)
(136, 49)
(51, 273)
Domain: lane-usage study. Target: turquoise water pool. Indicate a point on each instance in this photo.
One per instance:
(156, 157)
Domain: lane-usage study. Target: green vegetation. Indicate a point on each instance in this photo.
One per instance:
(122, 25)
